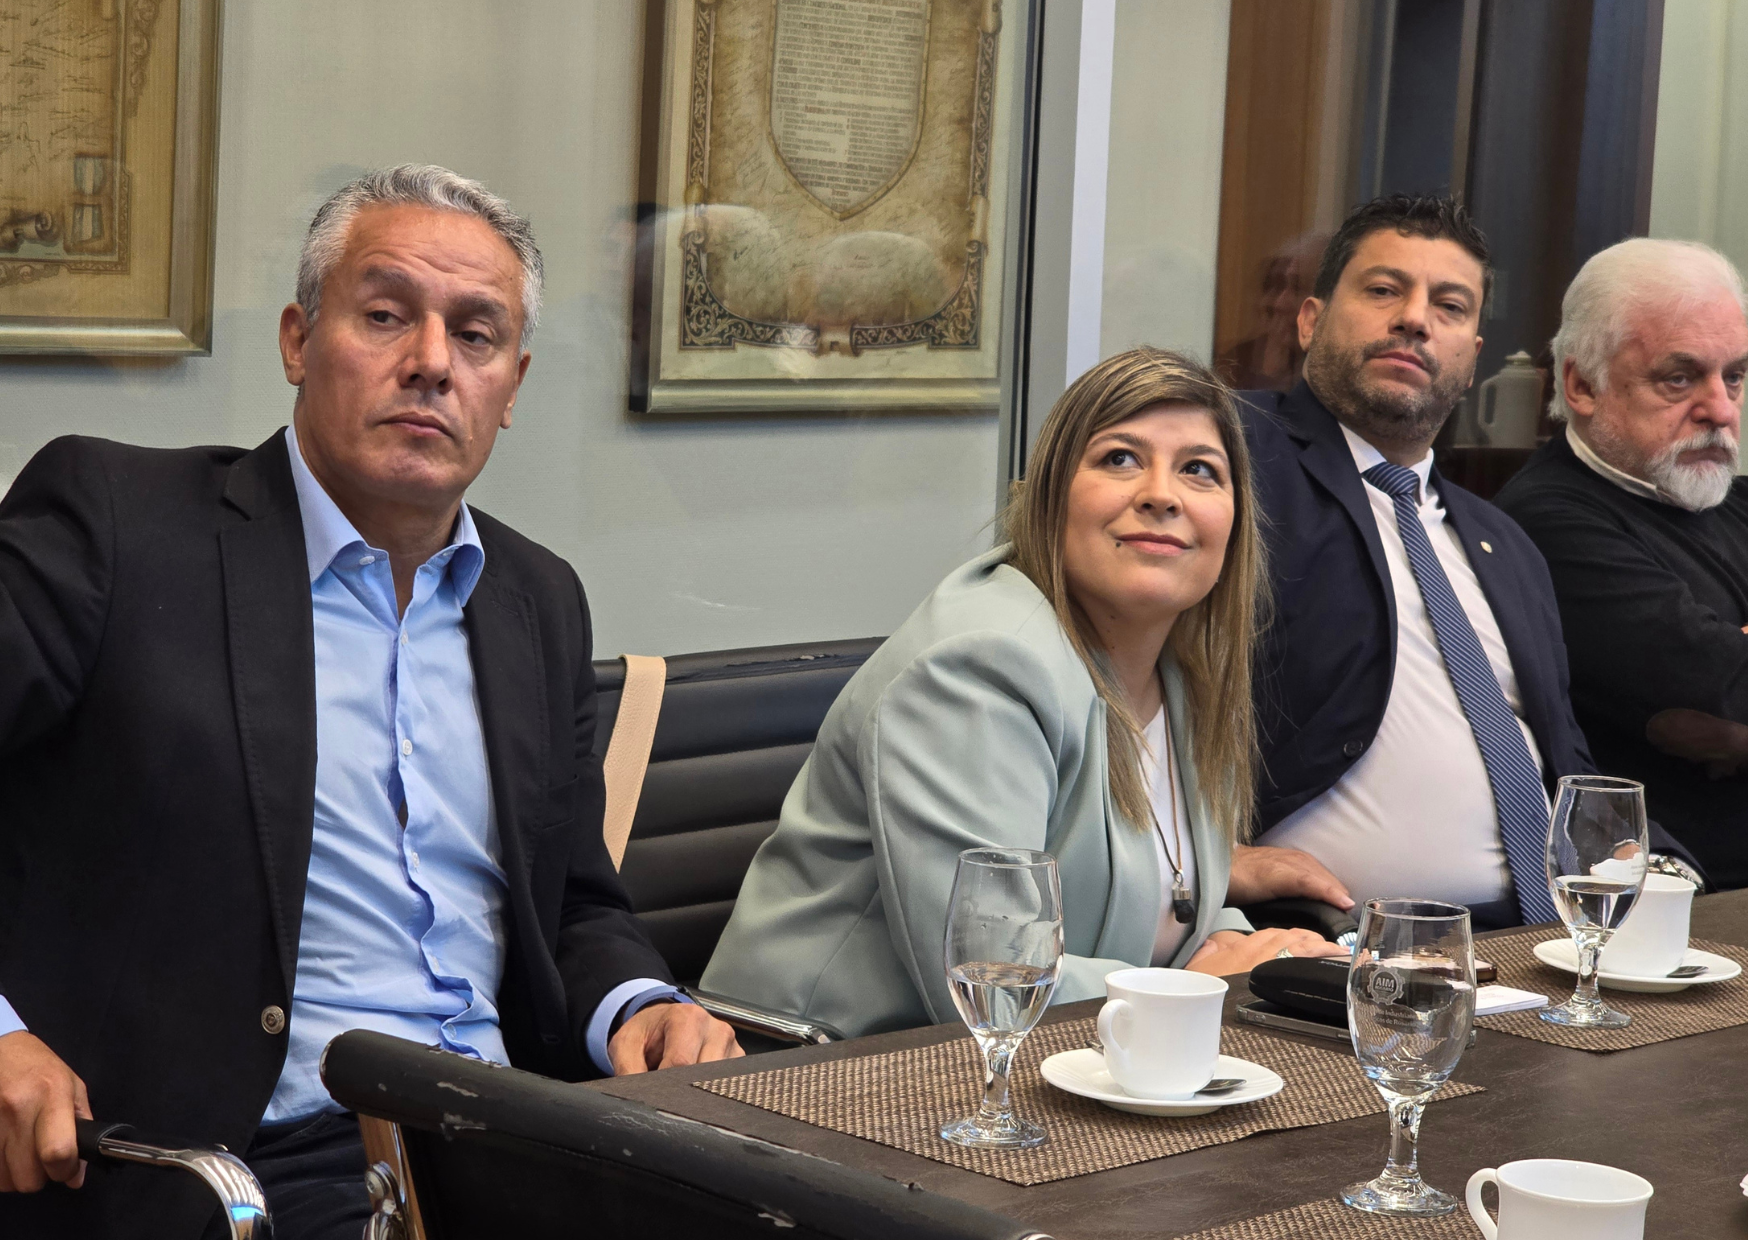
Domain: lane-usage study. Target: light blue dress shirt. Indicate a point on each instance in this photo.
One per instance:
(402, 924)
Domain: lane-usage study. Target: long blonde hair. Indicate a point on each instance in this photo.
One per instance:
(1214, 640)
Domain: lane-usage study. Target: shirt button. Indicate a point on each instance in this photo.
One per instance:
(273, 1019)
(367, 561)
(413, 858)
(406, 748)
(403, 639)
(1354, 749)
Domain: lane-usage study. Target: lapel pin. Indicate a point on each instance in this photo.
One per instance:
(1486, 546)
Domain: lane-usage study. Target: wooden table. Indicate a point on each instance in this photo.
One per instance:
(1675, 1113)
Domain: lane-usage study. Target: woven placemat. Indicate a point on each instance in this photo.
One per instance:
(902, 1098)
(1330, 1220)
(1656, 1018)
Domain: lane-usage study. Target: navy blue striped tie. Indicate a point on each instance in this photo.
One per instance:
(1517, 786)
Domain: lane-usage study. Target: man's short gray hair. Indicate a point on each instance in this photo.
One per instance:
(417, 185)
(1623, 281)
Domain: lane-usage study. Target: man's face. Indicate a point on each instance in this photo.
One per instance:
(414, 360)
(1394, 347)
(1671, 413)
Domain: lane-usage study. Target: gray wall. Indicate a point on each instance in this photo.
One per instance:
(1162, 216)
(687, 536)
(1699, 177)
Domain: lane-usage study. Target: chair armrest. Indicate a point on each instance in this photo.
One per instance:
(226, 1174)
(779, 1026)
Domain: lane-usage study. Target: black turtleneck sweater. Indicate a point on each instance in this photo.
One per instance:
(1652, 599)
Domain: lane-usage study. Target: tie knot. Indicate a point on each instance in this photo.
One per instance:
(1394, 480)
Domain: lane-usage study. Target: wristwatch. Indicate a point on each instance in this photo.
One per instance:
(1675, 867)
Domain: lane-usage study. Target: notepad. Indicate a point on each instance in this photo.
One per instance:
(1492, 1000)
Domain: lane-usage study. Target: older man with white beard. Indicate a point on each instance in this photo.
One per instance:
(1644, 523)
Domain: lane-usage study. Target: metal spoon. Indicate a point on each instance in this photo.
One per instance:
(1689, 970)
(1219, 1085)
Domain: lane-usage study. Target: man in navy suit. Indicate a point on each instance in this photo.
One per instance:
(1413, 695)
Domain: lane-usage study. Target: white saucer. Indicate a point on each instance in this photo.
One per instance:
(1562, 954)
(1083, 1072)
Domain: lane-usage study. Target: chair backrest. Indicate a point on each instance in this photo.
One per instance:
(734, 729)
(498, 1152)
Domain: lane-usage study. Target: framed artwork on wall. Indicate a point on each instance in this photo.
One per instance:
(108, 152)
(825, 189)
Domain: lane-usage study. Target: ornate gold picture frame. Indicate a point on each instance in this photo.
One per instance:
(825, 191)
(108, 152)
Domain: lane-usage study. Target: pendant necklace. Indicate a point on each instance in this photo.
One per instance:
(1183, 901)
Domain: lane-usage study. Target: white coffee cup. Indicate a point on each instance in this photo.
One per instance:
(1653, 938)
(1557, 1199)
(1161, 1030)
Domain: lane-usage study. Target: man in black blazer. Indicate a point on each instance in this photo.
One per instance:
(211, 800)
(1412, 694)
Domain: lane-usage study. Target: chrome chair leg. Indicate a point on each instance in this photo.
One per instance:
(388, 1208)
(245, 1205)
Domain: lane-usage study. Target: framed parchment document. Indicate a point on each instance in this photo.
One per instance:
(828, 201)
(108, 140)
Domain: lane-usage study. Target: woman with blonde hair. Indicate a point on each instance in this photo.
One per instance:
(1083, 689)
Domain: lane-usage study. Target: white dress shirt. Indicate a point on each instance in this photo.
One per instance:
(1415, 815)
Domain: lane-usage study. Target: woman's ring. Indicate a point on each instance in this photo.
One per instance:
(1285, 953)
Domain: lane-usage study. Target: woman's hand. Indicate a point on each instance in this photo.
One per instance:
(1228, 951)
(1261, 873)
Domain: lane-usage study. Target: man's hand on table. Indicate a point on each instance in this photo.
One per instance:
(1228, 951)
(670, 1035)
(39, 1098)
(1261, 873)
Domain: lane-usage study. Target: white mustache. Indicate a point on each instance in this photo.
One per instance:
(1717, 437)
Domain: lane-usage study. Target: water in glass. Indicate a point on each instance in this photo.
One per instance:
(1410, 1006)
(1003, 946)
(1599, 903)
(1000, 998)
(1597, 852)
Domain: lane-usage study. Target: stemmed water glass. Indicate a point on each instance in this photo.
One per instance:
(1410, 1006)
(1004, 942)
(1597, 852)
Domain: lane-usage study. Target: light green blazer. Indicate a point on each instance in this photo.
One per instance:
(974, 725)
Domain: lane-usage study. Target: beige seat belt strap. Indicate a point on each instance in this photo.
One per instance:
(640, 705)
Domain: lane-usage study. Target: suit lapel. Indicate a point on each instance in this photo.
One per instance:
(510, 678)
(1324, 454)
(1132, 906)
(273, 678)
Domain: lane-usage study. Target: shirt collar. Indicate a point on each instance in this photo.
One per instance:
(1620, 477)
(1365, 456)
(327, 531)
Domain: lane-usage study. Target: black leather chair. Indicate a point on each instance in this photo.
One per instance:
(735, 727)
(496, 1152)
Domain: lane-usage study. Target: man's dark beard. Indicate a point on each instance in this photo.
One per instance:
(1393, 414)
